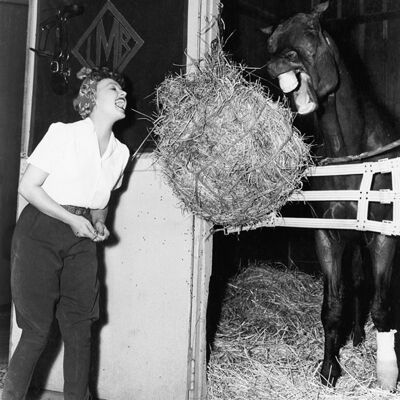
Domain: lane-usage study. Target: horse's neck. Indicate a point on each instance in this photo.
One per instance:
(341, 118)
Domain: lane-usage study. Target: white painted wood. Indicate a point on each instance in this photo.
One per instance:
(144, 346)
(201, 272)
(202, 29)
(29, 77)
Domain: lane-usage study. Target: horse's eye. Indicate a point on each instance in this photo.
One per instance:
(291, 55)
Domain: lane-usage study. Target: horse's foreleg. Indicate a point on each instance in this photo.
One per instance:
(382, 249)
(330, 252)
(359, 297)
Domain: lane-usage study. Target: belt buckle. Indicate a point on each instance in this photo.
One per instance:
(76, 209)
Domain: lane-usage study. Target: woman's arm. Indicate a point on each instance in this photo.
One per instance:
(31, 189)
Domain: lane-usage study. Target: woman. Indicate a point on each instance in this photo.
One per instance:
(67, 184)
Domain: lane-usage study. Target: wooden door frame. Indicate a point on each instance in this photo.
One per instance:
(201, 30)
(29, 81)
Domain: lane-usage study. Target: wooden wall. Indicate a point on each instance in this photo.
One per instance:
(13, 26)
(161, 25)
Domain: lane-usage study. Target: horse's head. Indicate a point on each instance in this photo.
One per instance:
(303, 59)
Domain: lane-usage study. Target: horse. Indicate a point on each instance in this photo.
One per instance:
(309, 68)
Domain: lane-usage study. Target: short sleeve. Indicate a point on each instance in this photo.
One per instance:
(124, 162)
(47, 153)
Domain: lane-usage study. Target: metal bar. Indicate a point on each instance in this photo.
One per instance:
(315, 223)
(334, 170)
(379, 196)
(396, 201)
(292, 222)
(362, 206)
(324, 195)
(384, 227)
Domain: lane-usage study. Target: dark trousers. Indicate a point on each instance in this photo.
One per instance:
(53, 274)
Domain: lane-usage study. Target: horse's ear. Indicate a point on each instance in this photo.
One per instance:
(320, 8)
(267, 30)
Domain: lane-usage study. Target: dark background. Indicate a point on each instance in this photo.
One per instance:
(367, 33)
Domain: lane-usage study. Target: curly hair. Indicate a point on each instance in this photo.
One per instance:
(86, 99)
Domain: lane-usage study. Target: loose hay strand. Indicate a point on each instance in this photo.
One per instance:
(229, 152)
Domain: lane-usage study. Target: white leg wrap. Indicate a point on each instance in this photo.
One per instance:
(386, 361)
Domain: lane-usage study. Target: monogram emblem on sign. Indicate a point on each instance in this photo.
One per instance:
(110, 40)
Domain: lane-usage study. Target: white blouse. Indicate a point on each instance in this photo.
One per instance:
(78, 175)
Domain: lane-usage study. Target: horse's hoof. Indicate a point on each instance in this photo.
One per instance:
(328, 381)
(330, 374)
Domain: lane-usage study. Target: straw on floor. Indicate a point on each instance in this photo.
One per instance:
(269, 343)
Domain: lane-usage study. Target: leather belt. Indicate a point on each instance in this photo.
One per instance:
(77, 210)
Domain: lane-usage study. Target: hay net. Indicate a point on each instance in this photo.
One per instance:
(229, 152)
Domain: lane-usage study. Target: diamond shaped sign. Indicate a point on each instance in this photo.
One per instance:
(109, 36)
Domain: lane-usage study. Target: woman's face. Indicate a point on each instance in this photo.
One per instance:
(110, 99)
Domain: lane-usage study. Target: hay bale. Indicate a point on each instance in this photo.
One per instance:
(269, 343)
(229, 152)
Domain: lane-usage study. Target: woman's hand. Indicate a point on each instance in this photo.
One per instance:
(102, 232)
(98, 218)
(83, 228)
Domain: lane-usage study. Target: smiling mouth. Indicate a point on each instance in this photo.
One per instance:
(121, 104)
